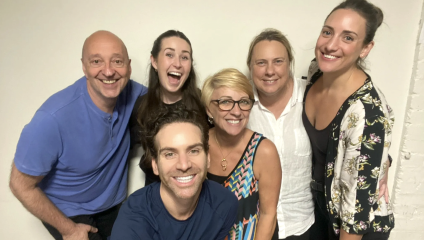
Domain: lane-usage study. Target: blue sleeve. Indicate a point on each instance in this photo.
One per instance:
(230, 218)
(139, 88)
(39, 146)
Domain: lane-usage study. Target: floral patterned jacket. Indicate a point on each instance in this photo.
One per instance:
(358, 146)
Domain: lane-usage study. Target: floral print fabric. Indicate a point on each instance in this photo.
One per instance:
(356, 160)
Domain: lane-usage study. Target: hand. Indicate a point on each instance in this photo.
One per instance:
(80, 232)
(384, 189)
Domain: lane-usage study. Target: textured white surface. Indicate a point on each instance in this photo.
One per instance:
(409, 180)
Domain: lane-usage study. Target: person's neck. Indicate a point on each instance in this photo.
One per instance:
(227, 141)
(180, 209)
(276, 103)
(339, 80)
(105, 104)
(171, 97)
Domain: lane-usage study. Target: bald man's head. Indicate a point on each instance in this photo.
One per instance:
(107, 68)
(102, 35)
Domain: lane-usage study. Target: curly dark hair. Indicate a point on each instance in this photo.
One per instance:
(163, 116)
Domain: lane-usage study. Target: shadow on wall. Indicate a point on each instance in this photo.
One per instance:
(136, 176)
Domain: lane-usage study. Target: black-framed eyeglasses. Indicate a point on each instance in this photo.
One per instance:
(244, 104)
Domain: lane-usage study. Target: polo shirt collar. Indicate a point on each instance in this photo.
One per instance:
(90, 102)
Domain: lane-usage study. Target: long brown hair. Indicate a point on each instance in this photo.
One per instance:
(152, 101)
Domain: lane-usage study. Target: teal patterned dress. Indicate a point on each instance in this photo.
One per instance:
(242, 182)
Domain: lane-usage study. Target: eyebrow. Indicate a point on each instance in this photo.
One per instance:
(344, 31)
(184, 51)
(171, 149)
(245, 97)
(263, 59)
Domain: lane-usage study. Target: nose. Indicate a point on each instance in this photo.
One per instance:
(177, 62)
(236, 109)
(332, 44)
(184, 163)
(108, 70)
(270, 70)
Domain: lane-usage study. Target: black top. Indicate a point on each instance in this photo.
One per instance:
(319, 142)
(216, 178)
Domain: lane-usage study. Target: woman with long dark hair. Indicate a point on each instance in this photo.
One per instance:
(172, 83)
(349, 124)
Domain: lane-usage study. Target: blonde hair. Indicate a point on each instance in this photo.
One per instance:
(228, 77)
(272, 34)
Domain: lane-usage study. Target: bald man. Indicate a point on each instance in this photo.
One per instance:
(70, 166)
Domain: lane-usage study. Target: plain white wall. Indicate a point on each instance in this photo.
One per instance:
(41, 41)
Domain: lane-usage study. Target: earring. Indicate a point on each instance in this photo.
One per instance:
(210, 120)
(156, 70)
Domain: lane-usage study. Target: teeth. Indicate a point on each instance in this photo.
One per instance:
(109, 81)
(269, 81)
(233, 121)
(175, 74)
(184, 179)
(329, 56)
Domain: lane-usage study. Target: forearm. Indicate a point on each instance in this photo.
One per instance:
(349, 236)
(36, 202)
(266, 226)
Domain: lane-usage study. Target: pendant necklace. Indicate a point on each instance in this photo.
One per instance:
(223, 161)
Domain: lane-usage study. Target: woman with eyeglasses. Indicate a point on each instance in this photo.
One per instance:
(243, 161)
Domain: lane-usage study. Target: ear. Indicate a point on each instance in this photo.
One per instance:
(154, 63)
(155, 166)
(209, 161)
(366, 49)
(209, 112)
(129, 67)
(83, 67)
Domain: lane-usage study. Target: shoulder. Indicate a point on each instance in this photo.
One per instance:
(218, 196)
(65, 97)
(367, 101)
(220, 203)
(137, 88)
(131, 93)
(135, 219)
(140, 199)
(266, 149)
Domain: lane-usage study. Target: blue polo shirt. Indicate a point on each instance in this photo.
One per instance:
(81, 150)
(144, 216)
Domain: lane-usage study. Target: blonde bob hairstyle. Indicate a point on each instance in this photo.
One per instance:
(228, 77)
(271, 34)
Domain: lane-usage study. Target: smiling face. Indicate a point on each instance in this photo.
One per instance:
(173, 64)
(182, 162)
(106, 66)
(340, 43)
(233, 122)
(270, 68)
